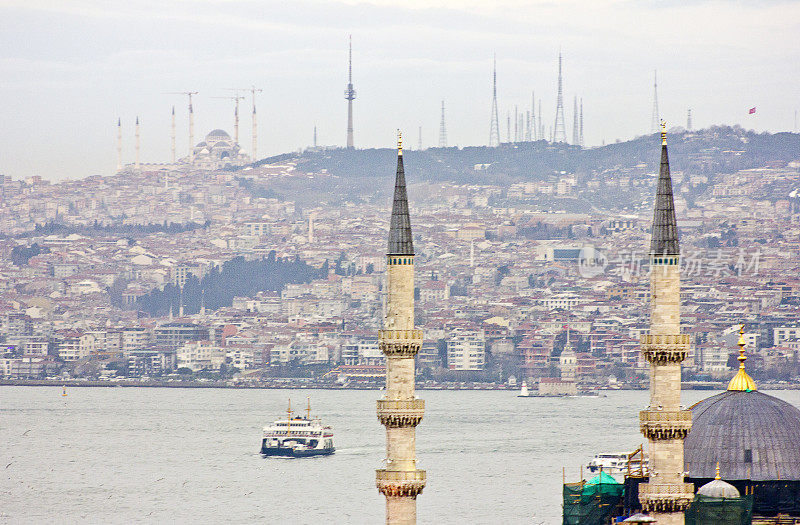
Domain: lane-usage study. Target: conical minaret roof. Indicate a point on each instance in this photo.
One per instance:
(665, 229)
(400, 242)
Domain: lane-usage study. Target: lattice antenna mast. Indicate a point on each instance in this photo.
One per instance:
(580, 139)
(442, 131)
(689, 119)
(559, 130)
(534, 134)
(655, 124)
(494, 127)
(350, 95)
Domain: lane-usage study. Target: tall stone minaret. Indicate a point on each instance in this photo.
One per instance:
(400, 411)
(665, 423)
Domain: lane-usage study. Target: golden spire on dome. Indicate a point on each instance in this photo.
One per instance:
(717, 476)
(741, 381)
(663, 132)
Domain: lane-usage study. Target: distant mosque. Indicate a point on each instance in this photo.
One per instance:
(217, 151)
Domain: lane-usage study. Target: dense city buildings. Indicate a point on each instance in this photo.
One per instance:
(274, 271)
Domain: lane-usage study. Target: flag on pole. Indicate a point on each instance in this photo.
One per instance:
(752, 110)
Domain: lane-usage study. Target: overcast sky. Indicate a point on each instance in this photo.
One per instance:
(69, 68)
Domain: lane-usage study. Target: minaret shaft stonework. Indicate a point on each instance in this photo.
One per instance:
(400, 411)
(665, 424)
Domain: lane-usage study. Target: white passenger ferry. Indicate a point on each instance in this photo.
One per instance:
(610, 463)
(297, 436)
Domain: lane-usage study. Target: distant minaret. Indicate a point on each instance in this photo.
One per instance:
(119, 144)
(350, 95)
(494, 126)
(173, 135)
(580, 138)
(559, 130)
(137, 143)
(442, 131)
(191, 129)
(665, 423)
(255, 131)
(655, 123)
(575, 123)
(399, 410)
(315, 137)
(689, 119)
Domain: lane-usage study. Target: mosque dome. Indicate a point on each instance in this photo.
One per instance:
(748, 434)
(217, 134)
(716, 488)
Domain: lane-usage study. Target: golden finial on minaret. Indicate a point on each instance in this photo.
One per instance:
(742, 381)
(399, 142)
(717, 476)
(663, 132)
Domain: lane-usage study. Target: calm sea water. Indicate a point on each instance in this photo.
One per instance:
(126, 455)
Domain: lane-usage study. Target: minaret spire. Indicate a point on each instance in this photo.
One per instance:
(399, 410)
(665, 229)
(665, 423)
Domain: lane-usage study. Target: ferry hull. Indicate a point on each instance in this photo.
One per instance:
(293, 453)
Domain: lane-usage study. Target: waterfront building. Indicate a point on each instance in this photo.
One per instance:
(665, 423)
(399, 410)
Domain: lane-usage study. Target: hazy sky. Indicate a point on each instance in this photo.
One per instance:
(69, 68)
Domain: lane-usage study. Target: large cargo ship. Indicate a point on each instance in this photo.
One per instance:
(297, 436)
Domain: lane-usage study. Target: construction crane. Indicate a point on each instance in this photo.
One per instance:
(191, 118)
(236, 98)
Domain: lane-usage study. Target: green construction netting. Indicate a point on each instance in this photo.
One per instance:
(593, 502)
(720, 511)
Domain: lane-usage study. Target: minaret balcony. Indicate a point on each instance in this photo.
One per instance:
(656, 497)
(664, 349)
(400, 343)
(659, 425)
(400, 483)
(396, 413)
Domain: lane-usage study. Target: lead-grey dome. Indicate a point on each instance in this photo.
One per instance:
(716, 488)
(752, 435)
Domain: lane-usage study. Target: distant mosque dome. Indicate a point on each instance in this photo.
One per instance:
(218, 150)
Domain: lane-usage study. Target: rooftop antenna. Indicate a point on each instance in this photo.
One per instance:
(191, 119)
(442, 131)
(350, 94)
(494, 126)
(559, 130)
(655, 123)
(236, 98)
